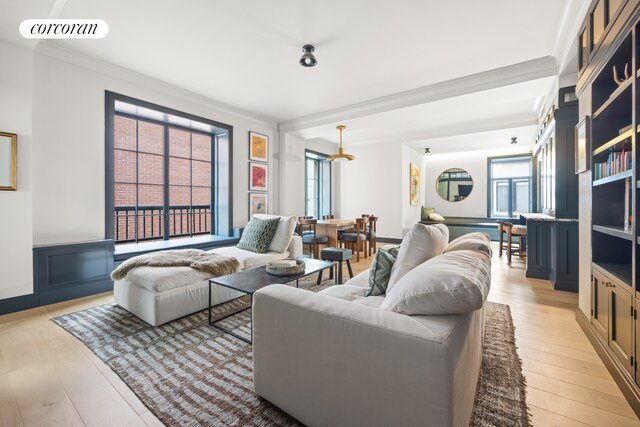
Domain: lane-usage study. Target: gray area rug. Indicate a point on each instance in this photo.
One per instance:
(189, 374)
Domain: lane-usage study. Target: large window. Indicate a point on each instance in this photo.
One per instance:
(165, 172)
(509, 186)
(318, 185)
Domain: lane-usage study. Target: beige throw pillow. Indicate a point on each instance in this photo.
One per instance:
(284, 232)
(471, 241)
(453, 283)
(423, 242)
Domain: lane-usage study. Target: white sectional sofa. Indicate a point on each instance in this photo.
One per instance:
(339, 358)
(160, 294)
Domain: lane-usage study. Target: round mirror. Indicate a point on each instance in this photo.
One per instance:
(454, 185)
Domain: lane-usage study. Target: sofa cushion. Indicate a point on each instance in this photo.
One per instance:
(361, 279)
(380, 270)
(471, 241)
(161, 279)
(436, 217)
(248, 259)
(422, 243)
(452, 283)
(284, 232)
(258, 234)
(373, 301)
(345, 292)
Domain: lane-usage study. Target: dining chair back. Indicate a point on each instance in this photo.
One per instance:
(357, 240)
(310, 236)
(371, 233)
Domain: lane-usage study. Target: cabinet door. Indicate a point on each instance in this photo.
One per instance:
(621, 325)
(637, 334)
(600, 304)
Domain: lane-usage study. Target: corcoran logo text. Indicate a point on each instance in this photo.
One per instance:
(64, 29)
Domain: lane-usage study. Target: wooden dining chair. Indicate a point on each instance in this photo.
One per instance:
(310, 236)
(512, 230)
(371, 233)
(356, 240)
(298, 228)
(328, 217)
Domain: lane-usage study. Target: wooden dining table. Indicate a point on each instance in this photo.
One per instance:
(331, 227)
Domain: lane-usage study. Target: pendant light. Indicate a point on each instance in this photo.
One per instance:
(341, 156)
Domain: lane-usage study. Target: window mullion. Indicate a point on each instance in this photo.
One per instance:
(137, 181)
(167, 231)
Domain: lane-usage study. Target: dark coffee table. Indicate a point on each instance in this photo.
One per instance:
(252, 280)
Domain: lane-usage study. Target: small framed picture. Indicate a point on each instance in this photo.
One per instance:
(258, 203)
(258, 177)
(258, 147)
(583, 145)
(8, 161)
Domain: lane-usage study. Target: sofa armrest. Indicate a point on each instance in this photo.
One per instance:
(328, 361)
(295, 247)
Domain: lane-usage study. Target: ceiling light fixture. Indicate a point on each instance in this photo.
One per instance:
(308, 60)
(514, 140)
(341, 157)
(427, 151)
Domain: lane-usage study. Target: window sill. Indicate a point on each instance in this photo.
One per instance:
(124, 252)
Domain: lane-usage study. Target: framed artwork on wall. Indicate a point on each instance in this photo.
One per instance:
(8, 161)
(258, 177)
(258, 147)
(583, 145)
(414, 184)
(258, 203)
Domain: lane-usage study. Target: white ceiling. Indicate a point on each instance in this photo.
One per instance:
(499, 109)
(245, 54)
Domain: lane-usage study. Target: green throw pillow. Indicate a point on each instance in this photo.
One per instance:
(426, 212)
(380, 271)
(258, 234)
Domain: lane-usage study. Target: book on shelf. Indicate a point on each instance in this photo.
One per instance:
(617, 162)
(627, 205)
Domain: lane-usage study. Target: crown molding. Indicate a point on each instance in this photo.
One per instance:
(567, 36)
(48, 49)
(504, 76)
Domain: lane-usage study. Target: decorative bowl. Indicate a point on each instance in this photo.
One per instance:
(279, 270)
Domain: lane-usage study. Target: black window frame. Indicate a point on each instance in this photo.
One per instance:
(510, 159)
(221, 223)
(319, 158)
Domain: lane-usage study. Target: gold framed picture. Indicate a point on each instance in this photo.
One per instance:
(8, 161)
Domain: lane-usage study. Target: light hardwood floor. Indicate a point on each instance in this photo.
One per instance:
(48, 378)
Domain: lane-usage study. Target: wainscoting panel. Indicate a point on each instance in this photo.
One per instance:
(63, 272)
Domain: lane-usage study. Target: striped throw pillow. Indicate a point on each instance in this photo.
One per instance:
(380, 271)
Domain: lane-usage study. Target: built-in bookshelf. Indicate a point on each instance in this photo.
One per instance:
(608, 91)
(612, 143)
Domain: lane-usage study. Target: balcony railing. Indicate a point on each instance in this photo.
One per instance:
(145, 223)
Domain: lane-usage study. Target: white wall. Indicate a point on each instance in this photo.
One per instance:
(16, 233)
(69, 130)
(373, 184)
(292, 173)
(55, 102)
(411, 214)
(474, 162)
